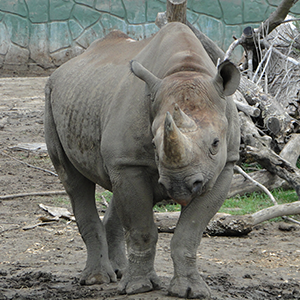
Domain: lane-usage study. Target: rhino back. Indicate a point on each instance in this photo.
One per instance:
(98, 107)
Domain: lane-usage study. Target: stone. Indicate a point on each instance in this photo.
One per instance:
(232, 14)
(85, 15)
(64, 55)
(255, 11)
(274, 2)
(207, 7)
(296, 8)
(191, 16)
(2, 57)
(1, 15)
(38, 10)
(136, 11)
(110, 23)
(154, 7)
(18, 29)
(14, 6)
(16, 58)
(86, 2)
(75, 29)
(4, 39)
(136, 31)
(103, 6)
(114, 7)
(59, 36)
(90, 35)
(230, 31)
(39, 44)
(60, 10)
(213, 28)
(150, 29)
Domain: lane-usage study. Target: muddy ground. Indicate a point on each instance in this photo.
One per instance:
(45, 262)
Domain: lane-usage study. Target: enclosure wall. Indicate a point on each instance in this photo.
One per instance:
(42, 34)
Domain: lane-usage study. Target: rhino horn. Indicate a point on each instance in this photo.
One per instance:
(141, 72)
(174, 140)
(182, 121)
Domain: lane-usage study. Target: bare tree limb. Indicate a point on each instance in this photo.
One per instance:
(277, 165)
(28, 165)
(262, 187)
(176, 11)
(46, 193)
(277, 17)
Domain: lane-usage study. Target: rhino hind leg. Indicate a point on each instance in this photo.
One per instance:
(115, 239)
(82, 195)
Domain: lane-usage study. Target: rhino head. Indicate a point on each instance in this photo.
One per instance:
(189, 127)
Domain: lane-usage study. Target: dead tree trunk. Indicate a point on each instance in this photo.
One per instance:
(277, 17)
(227, 225)
(277, 165)
(176, 11)
(290, 153)
(276, 119)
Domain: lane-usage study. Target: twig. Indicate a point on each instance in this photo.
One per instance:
(291, 220)
(104, 201)
(267, 56)
(232, 46)
(241, 171)
(28, 165)
(47, 193)
(285, 57)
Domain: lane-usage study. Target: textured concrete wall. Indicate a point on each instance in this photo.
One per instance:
(43, 34)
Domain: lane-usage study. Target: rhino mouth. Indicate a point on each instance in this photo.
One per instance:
(183, 193)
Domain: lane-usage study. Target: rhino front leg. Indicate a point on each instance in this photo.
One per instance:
(134, 200)
(187, 282)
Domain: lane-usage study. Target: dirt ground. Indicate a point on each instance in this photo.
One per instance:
(45, 262)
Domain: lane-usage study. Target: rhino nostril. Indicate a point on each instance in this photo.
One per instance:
(197, 187)
(161, 184)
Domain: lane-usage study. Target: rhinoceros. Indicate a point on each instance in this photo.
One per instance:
(148, 120)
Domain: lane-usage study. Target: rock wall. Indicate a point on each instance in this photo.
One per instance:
(40, 35)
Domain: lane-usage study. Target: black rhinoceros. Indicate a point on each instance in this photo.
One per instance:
(147, 120)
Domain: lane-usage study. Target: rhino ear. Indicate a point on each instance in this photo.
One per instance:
(227, 79)
(141, 72)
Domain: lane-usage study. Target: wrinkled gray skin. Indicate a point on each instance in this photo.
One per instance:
(157, 128)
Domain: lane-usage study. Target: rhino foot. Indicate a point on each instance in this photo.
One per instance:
(189, 287)
(138, 284)
(97, 275)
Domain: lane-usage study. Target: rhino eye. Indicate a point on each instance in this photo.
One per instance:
(153, 144)
(214, 146)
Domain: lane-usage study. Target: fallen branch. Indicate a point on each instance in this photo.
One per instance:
(277, 165)
(49, 193)
(228, 225)
(290, 152)
(176, 11)
(277, 17)
(262, 187)
(28, 165)
(275, 211)
(243, 106)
